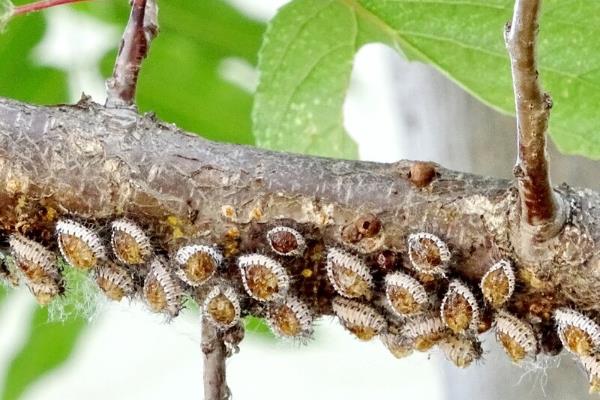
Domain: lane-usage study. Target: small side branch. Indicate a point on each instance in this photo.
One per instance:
(540, 207)
(215, 354)
(141, 29)
(41, 5)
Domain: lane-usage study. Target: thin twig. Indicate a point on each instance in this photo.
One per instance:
(135, 44)
(41, 5)
(215, 354)
(540, 206)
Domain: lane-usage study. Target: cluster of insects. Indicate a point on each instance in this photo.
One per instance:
(412, 308)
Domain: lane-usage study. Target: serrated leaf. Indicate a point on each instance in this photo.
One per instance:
(20, 76)
(48, 345)
(461, 38)
(181, 79)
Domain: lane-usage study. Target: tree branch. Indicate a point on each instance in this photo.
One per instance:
(540, 206)
(135, 44)
(215, 355)
(98, 164)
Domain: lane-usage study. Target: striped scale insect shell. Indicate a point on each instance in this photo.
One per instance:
(130, 244)
(577, 332)
(264, 278)
(38, 266)
(397, 344)
(360, 319)
(428, 253)
(461, 350)
(221, 307)
(459, 309)
(161, 291)
(591, 363)
(196, 264)
(80, 246)
(286, 241)
(290, 318)
(516, 336)
(348, 274)
(114, 280)
(424, 331)
(498, 283)
(405, 295)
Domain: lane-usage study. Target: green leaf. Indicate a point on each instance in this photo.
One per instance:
(258, 327)
(181, 79)
(20, 76)
(48, 345)
(305, 63)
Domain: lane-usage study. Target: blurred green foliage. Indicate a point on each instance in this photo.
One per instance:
(306, 59)
(181, 81)
(48, 345)
(21, 77)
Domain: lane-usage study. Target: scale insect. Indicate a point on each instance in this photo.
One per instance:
(428, 253)
(80, 246)
(348, 274)
(130, 244)
(196, 264)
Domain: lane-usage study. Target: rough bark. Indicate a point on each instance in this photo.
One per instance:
(97, 164)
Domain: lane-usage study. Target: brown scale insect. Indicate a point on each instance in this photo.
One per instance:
(591, 363)
(428, 253)
(161, 291)
(264, 278)
(578, 333)
(196, 264)
(80, 246)
(286, 241)
(114, 281)
(459, 309)
(461, 350)
(360, 319)
(498, 283)
(516, 336)
(424, 331)
(130, 244)
(221, 307)
(290, 319)
(38, 266)
(405, 294)
(397, 344)
(348, 274)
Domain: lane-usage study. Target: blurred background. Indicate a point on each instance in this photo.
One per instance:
(201, 75)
